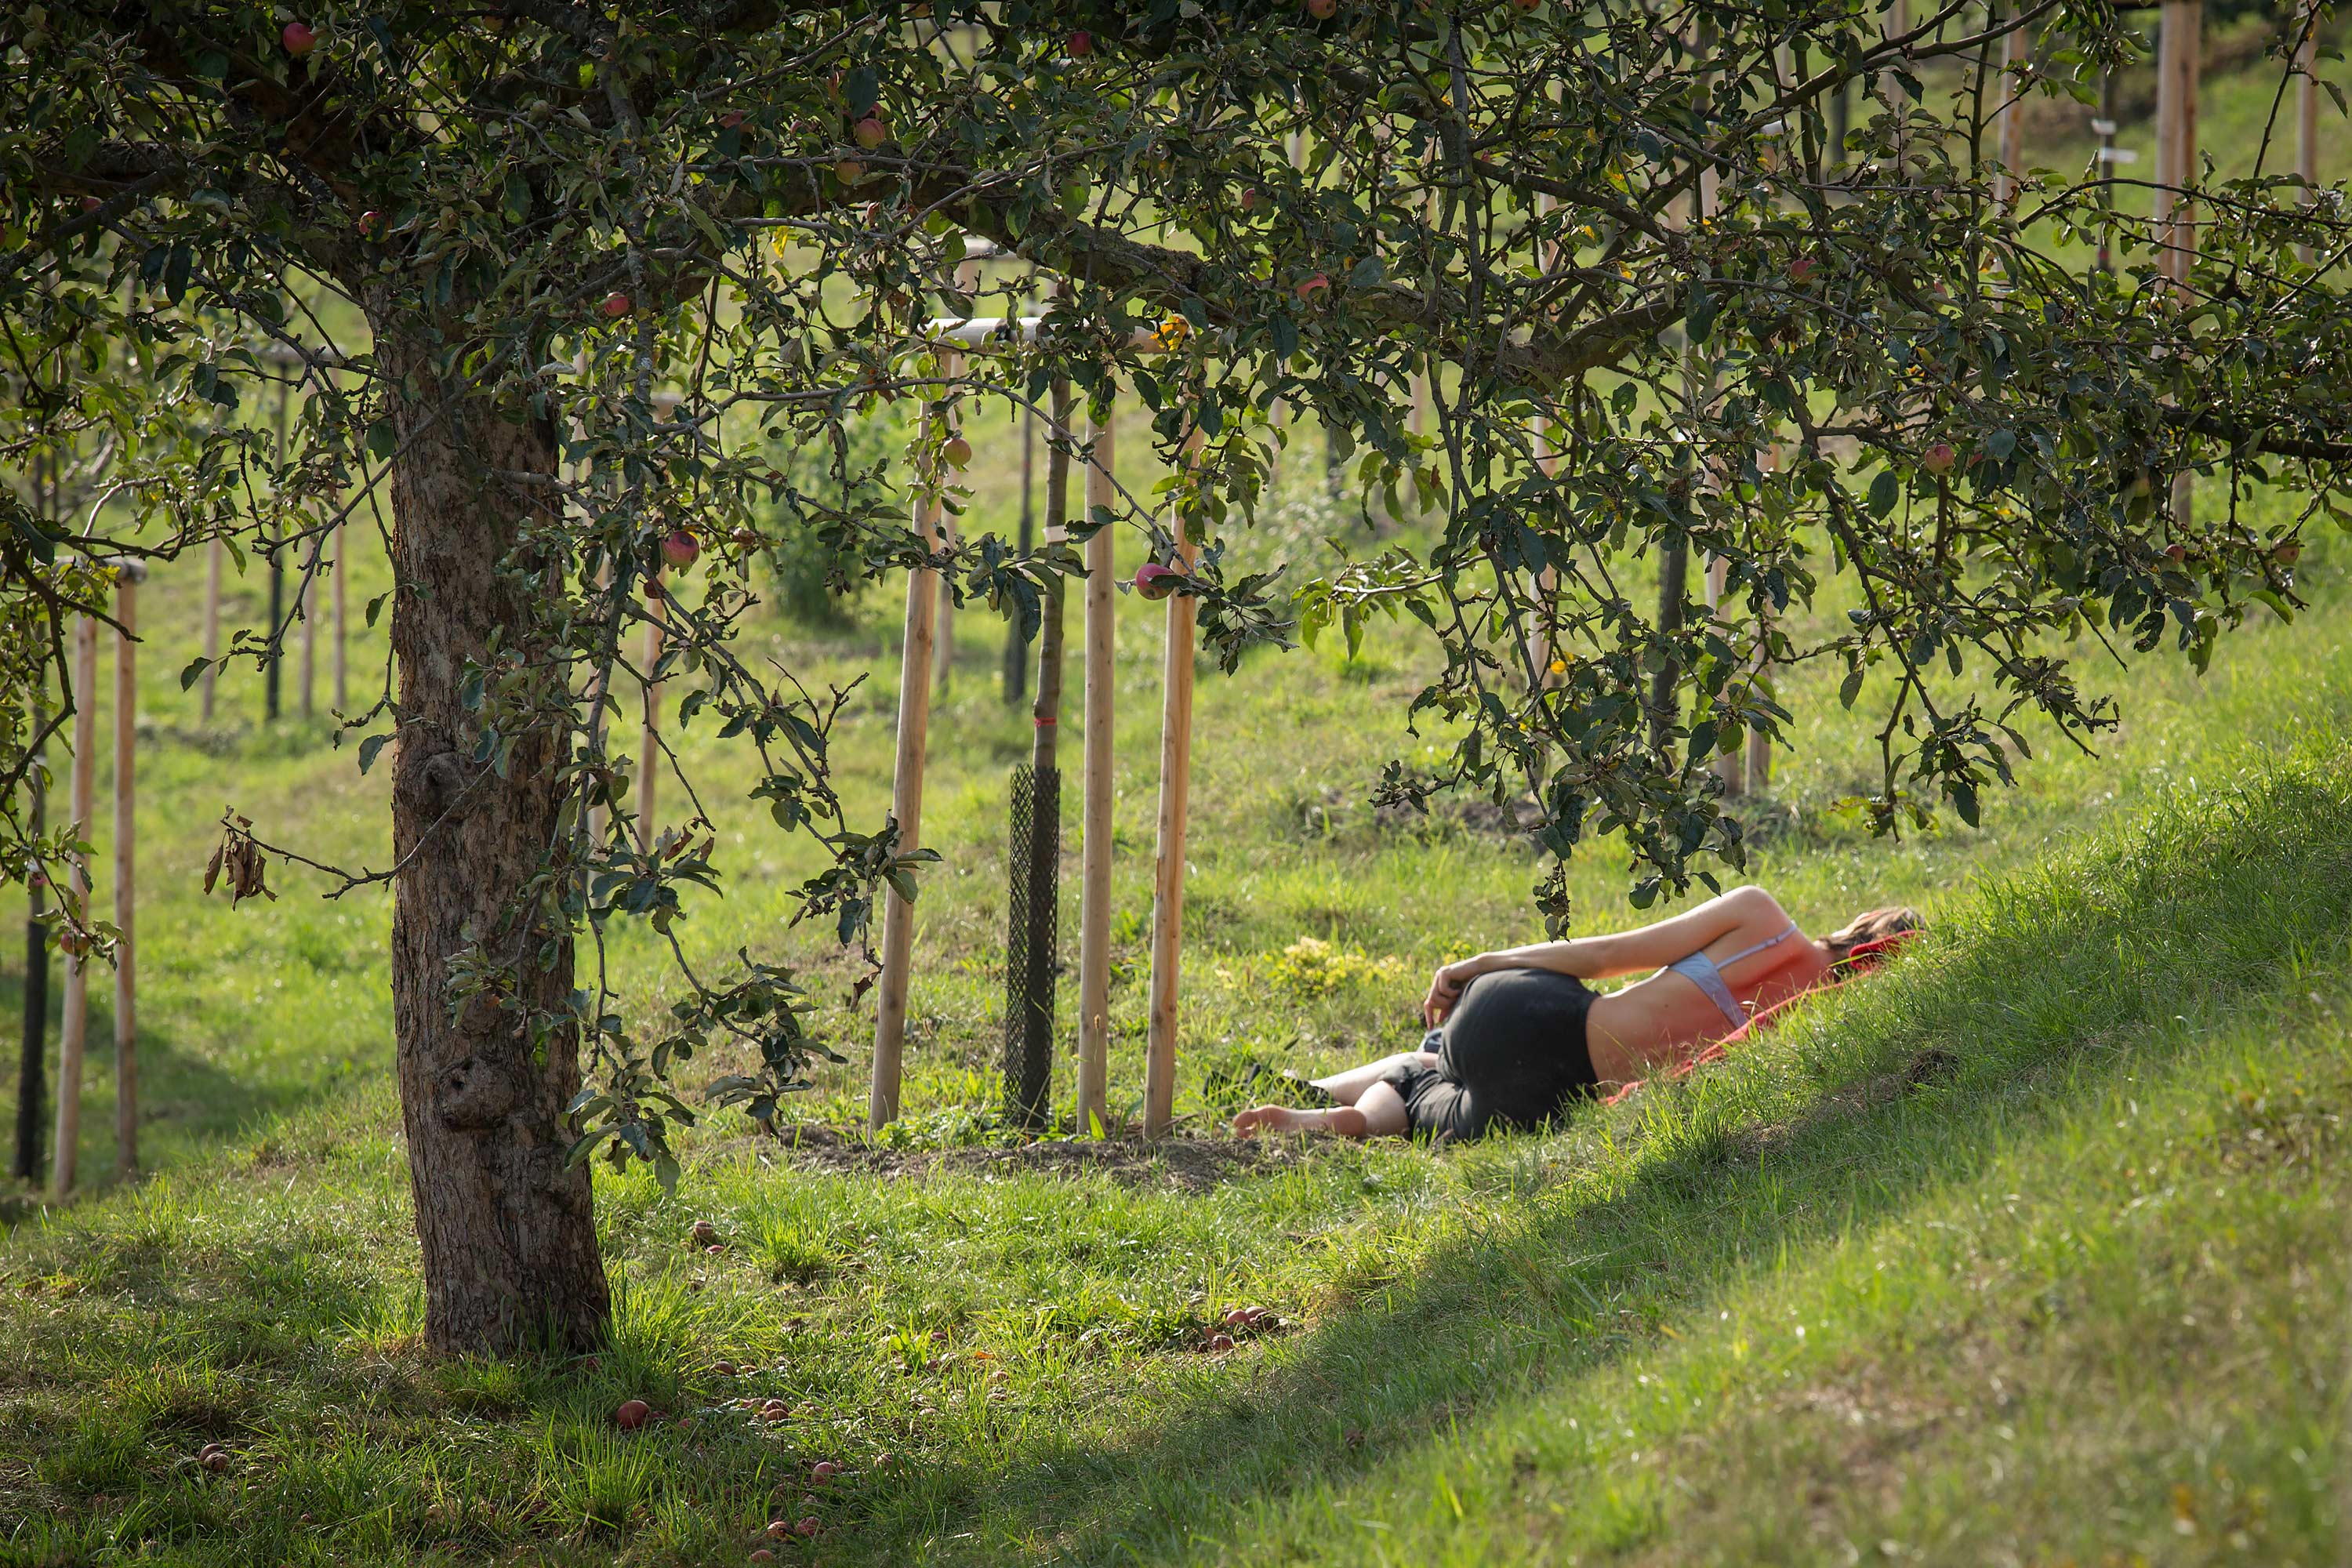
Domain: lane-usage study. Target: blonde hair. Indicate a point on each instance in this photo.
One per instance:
(1872, 936)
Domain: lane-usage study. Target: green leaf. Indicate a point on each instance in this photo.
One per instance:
(1883, 492)
(369, 747)
(1699, 314)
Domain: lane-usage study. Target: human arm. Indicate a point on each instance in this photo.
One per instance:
(1618, 952)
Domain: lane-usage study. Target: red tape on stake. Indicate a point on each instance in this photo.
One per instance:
(1041, 722)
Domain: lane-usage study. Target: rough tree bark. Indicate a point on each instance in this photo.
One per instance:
(508, 1232)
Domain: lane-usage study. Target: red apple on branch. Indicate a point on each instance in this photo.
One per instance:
(958, 451)
(848, 170)
(1082, 44)
(681, 549)
(1802, 268)
(1937, 458)
(1319, 284)
(616, 304)
(299, 40)
(1322, 10)
(2288, 551)
(870, 132)
(1154, 581)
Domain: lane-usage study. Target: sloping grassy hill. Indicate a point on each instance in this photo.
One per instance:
(2033, 1250)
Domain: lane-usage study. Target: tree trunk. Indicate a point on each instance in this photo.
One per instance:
(508, 1234)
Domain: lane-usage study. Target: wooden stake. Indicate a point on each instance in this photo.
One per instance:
(126, 840)
(649, 737)
(1095, 822)
(2016, 49)
(951, 367)
(2306, 113)
(212, 628)
(1168, 874)
(342, 697)
(1728, 766)
(907, 808)
(74, 1033)
(2179, 51)
(306, 608)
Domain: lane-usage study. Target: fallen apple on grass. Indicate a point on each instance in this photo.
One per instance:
(631, 1414)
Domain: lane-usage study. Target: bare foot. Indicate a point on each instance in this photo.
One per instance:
(1277, 1118)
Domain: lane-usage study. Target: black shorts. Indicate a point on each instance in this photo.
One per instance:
(1512, 1054)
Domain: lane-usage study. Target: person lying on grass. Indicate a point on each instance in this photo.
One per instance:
(1515, 1035)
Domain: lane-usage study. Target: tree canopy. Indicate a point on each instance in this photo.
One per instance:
(568, 292)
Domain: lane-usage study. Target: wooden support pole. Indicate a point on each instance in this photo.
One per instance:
(343, 628)
(1729, 766)
(907, 810)
(74, 1033)
(211, 677)
(649, 737)
(126, 892)
(2179, 54)
(951, 368)
(1167, 873)
(2306, 111)
(2016, 49)
(1095, 821)
(306, 606)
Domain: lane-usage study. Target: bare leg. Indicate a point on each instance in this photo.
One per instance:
(1378, 1112)
(1348, 1087)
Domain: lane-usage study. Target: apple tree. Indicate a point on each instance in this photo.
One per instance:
(554, 284)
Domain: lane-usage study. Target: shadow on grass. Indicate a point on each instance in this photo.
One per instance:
(184, 1097)
(2061, 980)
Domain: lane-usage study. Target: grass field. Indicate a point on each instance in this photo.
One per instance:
(2033, 1251)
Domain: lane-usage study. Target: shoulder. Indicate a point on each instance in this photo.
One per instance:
(1754, 902)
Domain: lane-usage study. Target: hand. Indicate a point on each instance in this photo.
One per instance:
(1445, 990)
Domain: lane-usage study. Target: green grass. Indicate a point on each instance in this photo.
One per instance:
(2036, 1248)
(2033, 1251)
